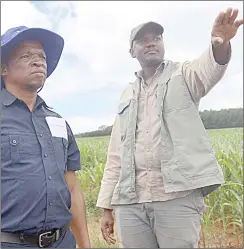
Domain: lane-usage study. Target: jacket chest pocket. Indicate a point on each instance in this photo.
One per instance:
(61, 152)
(123, 112)
(177, 96)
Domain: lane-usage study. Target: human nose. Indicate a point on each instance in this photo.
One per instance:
(150, 43)
(39, 63)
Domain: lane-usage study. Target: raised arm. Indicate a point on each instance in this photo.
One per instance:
(203, 73)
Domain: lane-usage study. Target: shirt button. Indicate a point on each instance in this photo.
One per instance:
(40, 135)
(45, 155)
(14, 141)
(50, 203)
(50, 178)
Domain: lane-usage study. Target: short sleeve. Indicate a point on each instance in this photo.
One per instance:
(73, 157)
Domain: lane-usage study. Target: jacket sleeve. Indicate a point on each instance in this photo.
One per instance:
(112, 168)
(202, 74)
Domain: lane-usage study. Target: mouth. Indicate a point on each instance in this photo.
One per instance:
(39, 73)
(152, 52)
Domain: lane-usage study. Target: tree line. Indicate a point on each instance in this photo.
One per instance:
(212, 119)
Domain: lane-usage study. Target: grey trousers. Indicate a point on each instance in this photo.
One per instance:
(167, 224)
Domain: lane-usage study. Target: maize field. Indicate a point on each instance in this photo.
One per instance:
(223, 221)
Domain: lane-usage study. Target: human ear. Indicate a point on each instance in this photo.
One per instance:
(4, 70)
(132, 53)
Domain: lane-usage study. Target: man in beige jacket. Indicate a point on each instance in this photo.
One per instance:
(160, 163)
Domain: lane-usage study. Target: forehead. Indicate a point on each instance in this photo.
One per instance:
(25, 46)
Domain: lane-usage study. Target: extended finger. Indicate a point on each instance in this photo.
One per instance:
(106, 237)
(233, 16)
(107, 240)
(111, 239)
(110, 231)
(219, 19)
(104, 233)
(227, 16)
(238, 23)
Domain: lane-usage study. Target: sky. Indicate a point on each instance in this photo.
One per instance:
(96, 66)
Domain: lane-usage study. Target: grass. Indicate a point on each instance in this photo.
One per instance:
(223, 220)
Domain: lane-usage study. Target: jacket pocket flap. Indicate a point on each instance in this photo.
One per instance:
(123, 106)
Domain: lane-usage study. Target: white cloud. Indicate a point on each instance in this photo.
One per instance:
(21, 13)
(97, 37)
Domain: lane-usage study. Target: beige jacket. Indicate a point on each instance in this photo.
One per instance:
(200, 76)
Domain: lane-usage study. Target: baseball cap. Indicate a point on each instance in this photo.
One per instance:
(144, 27)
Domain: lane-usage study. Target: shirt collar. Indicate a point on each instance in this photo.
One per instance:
(8, 98)
(139, 74)
(40, 101)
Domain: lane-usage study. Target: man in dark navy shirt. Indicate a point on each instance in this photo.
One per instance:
(41, 198)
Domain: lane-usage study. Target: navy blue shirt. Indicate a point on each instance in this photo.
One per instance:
(35, 196)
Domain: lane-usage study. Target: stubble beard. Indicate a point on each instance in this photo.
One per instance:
(34, 86)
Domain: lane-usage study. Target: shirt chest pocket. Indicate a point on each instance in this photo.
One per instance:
(19, 151)
(61, 152)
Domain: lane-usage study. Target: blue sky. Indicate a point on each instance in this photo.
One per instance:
(96, 67)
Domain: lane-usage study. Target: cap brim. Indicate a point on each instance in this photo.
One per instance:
(149, 27)
(53, 45)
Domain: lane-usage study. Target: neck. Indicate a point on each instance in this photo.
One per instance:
(149, 71)
(28, 97)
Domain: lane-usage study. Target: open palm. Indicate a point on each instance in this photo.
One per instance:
(226, 26)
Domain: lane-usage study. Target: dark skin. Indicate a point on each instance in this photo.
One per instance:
(149, 51)
(224, 29)
(25, 71)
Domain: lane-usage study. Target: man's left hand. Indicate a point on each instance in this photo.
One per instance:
(225, 26)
